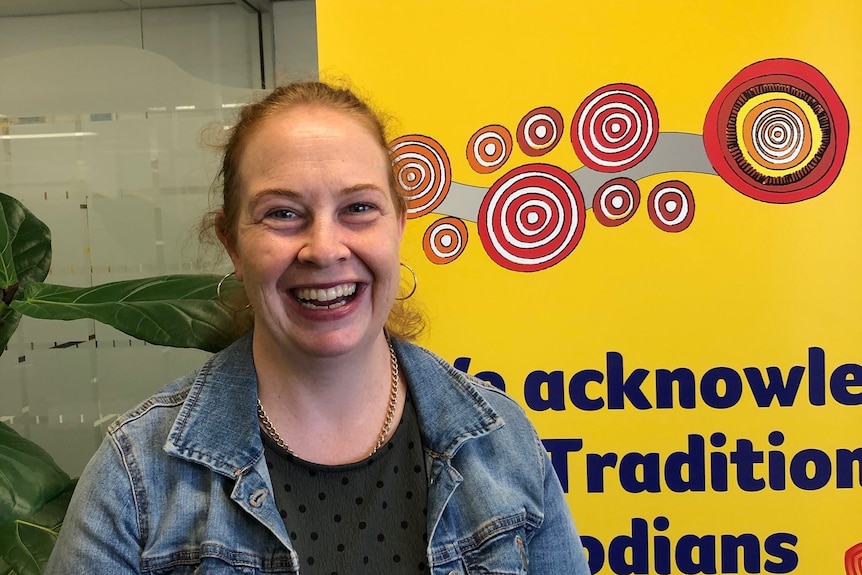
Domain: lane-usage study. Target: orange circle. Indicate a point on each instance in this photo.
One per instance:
(422, 172)
(444, 240)
(489, 148)
(753, 142)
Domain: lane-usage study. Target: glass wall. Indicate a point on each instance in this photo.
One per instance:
(107, 126)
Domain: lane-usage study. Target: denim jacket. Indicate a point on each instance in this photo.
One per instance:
(180, 484)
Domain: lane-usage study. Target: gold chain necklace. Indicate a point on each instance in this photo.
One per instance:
(387, 423)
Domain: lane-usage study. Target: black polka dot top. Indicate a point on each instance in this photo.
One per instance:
(369, 516)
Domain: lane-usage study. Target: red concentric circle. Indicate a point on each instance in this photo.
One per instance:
(445, 240)
(853, 560)
(539, 131)
(531, 218)
(422, 171)
(777, 132)
(671, 206)
(615, 128)
(489, 148)
(616, 201)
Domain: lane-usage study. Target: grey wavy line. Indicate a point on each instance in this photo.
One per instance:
(673, 152)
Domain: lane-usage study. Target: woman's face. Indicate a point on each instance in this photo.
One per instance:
(317, 237)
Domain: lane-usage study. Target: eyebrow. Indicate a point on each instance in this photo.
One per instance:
(283, 192)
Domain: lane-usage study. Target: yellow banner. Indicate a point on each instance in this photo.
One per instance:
(644, 221)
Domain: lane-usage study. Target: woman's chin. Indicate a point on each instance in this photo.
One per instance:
(322, 341)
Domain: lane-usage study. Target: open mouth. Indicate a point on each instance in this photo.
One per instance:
(329, 298)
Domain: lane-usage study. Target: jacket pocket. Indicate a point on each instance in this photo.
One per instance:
(208, 566)
(503, 554)
(211, 567)
(223, 562)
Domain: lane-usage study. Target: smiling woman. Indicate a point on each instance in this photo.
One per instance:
(321, 441)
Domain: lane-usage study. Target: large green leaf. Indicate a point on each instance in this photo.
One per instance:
(26, 544)
(28, 476)
(9, 319)
(29, 239)
(8, 277)
(25, 258)
(175, 310)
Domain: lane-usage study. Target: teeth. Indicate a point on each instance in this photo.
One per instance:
(310, 305)
(314, 294)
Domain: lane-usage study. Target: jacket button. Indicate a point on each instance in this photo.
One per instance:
(257, 498)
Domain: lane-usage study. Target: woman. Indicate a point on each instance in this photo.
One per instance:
(321, 441)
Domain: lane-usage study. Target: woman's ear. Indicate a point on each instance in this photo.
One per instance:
(227, 239)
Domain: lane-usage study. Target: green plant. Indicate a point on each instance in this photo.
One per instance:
(174, 310)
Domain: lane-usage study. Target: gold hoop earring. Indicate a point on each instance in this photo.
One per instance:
(415, 283)
(221, 301)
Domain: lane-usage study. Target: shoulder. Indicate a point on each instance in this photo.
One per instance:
(476, 431)
(164, 405)
(425, 361)
(161, 404)
(460, 413)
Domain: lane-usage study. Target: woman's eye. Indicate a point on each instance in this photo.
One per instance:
(282, 214)
(359, 208)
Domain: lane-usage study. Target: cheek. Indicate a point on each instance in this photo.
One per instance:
(259, 260)
(392, 265)
(382, 258)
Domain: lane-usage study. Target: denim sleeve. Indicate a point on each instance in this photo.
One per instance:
(555, 546)
(100, 533)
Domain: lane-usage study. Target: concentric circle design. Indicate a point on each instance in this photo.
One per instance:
(539, 131)
(777, 132)
(616, 201)
(777, 137)
(853, 560)
(671, 206)
(422, 171)
(445, 240)
(615, 128)
(531, 218)
(489, 148)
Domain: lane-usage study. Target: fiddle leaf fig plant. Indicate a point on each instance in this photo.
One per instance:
(174, 310)
(171, 310)
(34, 495)
(25, 258)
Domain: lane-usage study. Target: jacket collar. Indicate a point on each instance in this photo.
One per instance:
(449, 405)
(217, 424)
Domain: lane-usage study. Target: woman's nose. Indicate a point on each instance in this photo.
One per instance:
(324, 244)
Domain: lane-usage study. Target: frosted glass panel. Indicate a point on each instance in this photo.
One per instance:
(103, 140)
(217, 43)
